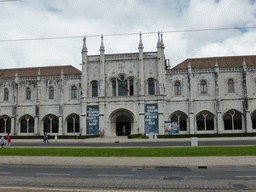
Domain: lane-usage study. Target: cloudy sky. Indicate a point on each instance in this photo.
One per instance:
(23, 20)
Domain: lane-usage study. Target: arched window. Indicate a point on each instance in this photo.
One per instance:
(94, 89)
(203, 87)
(6, 94)
(73, 92)
(151, 87)
(122, 87)
(73, 124)
(114, 88)
(231, 86)
(5, 124)
(205, 121)
(181, 119)
(51, 93)
(232, 120)
(51, 124)
(27, 124)
(131, 86)
(177, 88)
(28, 94)
(254, 120)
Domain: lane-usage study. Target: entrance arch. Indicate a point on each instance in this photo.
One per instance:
(123, 125)
(122, 122)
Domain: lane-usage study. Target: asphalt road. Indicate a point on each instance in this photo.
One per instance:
(170, 143)
(156, 178)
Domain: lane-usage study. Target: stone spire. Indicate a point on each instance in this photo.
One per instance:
(102, 45)
(62, 72)
(216, 66)
(140, 43)
(216, 63)
(162, 40)
(84, 45)
(159, 41)
(244, 63)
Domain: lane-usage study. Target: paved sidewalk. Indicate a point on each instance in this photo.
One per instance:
(124, 139)
(218, 161)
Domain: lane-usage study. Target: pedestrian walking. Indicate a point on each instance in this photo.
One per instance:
(100, 134)
(8, 140)
(2, 141)
(46, 137)
(103, 133)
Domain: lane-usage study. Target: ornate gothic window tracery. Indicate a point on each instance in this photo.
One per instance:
(73, 124)
(28, 94)
(203, 87)
(51, 93)
(27, 124)
(6, 94)
(177, 88)
(231, 86)
(73, 92)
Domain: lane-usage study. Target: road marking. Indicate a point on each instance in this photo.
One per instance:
(105, 175)
(196, 176)
(247, 176)
(5, 173)
(58, 189)
(59, 174)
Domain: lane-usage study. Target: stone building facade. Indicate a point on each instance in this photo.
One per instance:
(131, 93)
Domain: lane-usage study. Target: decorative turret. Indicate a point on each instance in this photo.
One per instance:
(141, 68)
(216, 67)
(102, 45)
(84, 45)
(189, 67)
(84, 68)
(162, 40)
(102, 69)
(244, 64)
(140, 43)
(159, 41)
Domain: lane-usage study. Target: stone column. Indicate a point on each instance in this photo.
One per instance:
(61, 130)
(191, 123)
(36, 128)
(13, 125)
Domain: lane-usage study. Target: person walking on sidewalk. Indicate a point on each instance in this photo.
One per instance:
(103, 133)
(2, 141)
(8, 140)
(46, 137)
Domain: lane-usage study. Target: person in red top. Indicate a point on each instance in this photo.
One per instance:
(8, 139)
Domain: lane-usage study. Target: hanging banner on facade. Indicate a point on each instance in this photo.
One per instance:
(171, 127)
(151, 118)
(92, 119)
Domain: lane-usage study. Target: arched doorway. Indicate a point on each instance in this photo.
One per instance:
(123, 125)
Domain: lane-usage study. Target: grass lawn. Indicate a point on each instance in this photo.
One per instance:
(131, 152)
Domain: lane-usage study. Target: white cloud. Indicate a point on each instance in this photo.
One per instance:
(27, 19)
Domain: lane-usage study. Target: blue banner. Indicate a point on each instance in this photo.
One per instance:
(151, 118)
(92, 119)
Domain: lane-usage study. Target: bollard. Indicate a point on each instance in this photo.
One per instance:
(194, 142)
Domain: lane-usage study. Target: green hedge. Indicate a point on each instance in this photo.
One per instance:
(208, 135)
(134, 135)
(30, 137)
